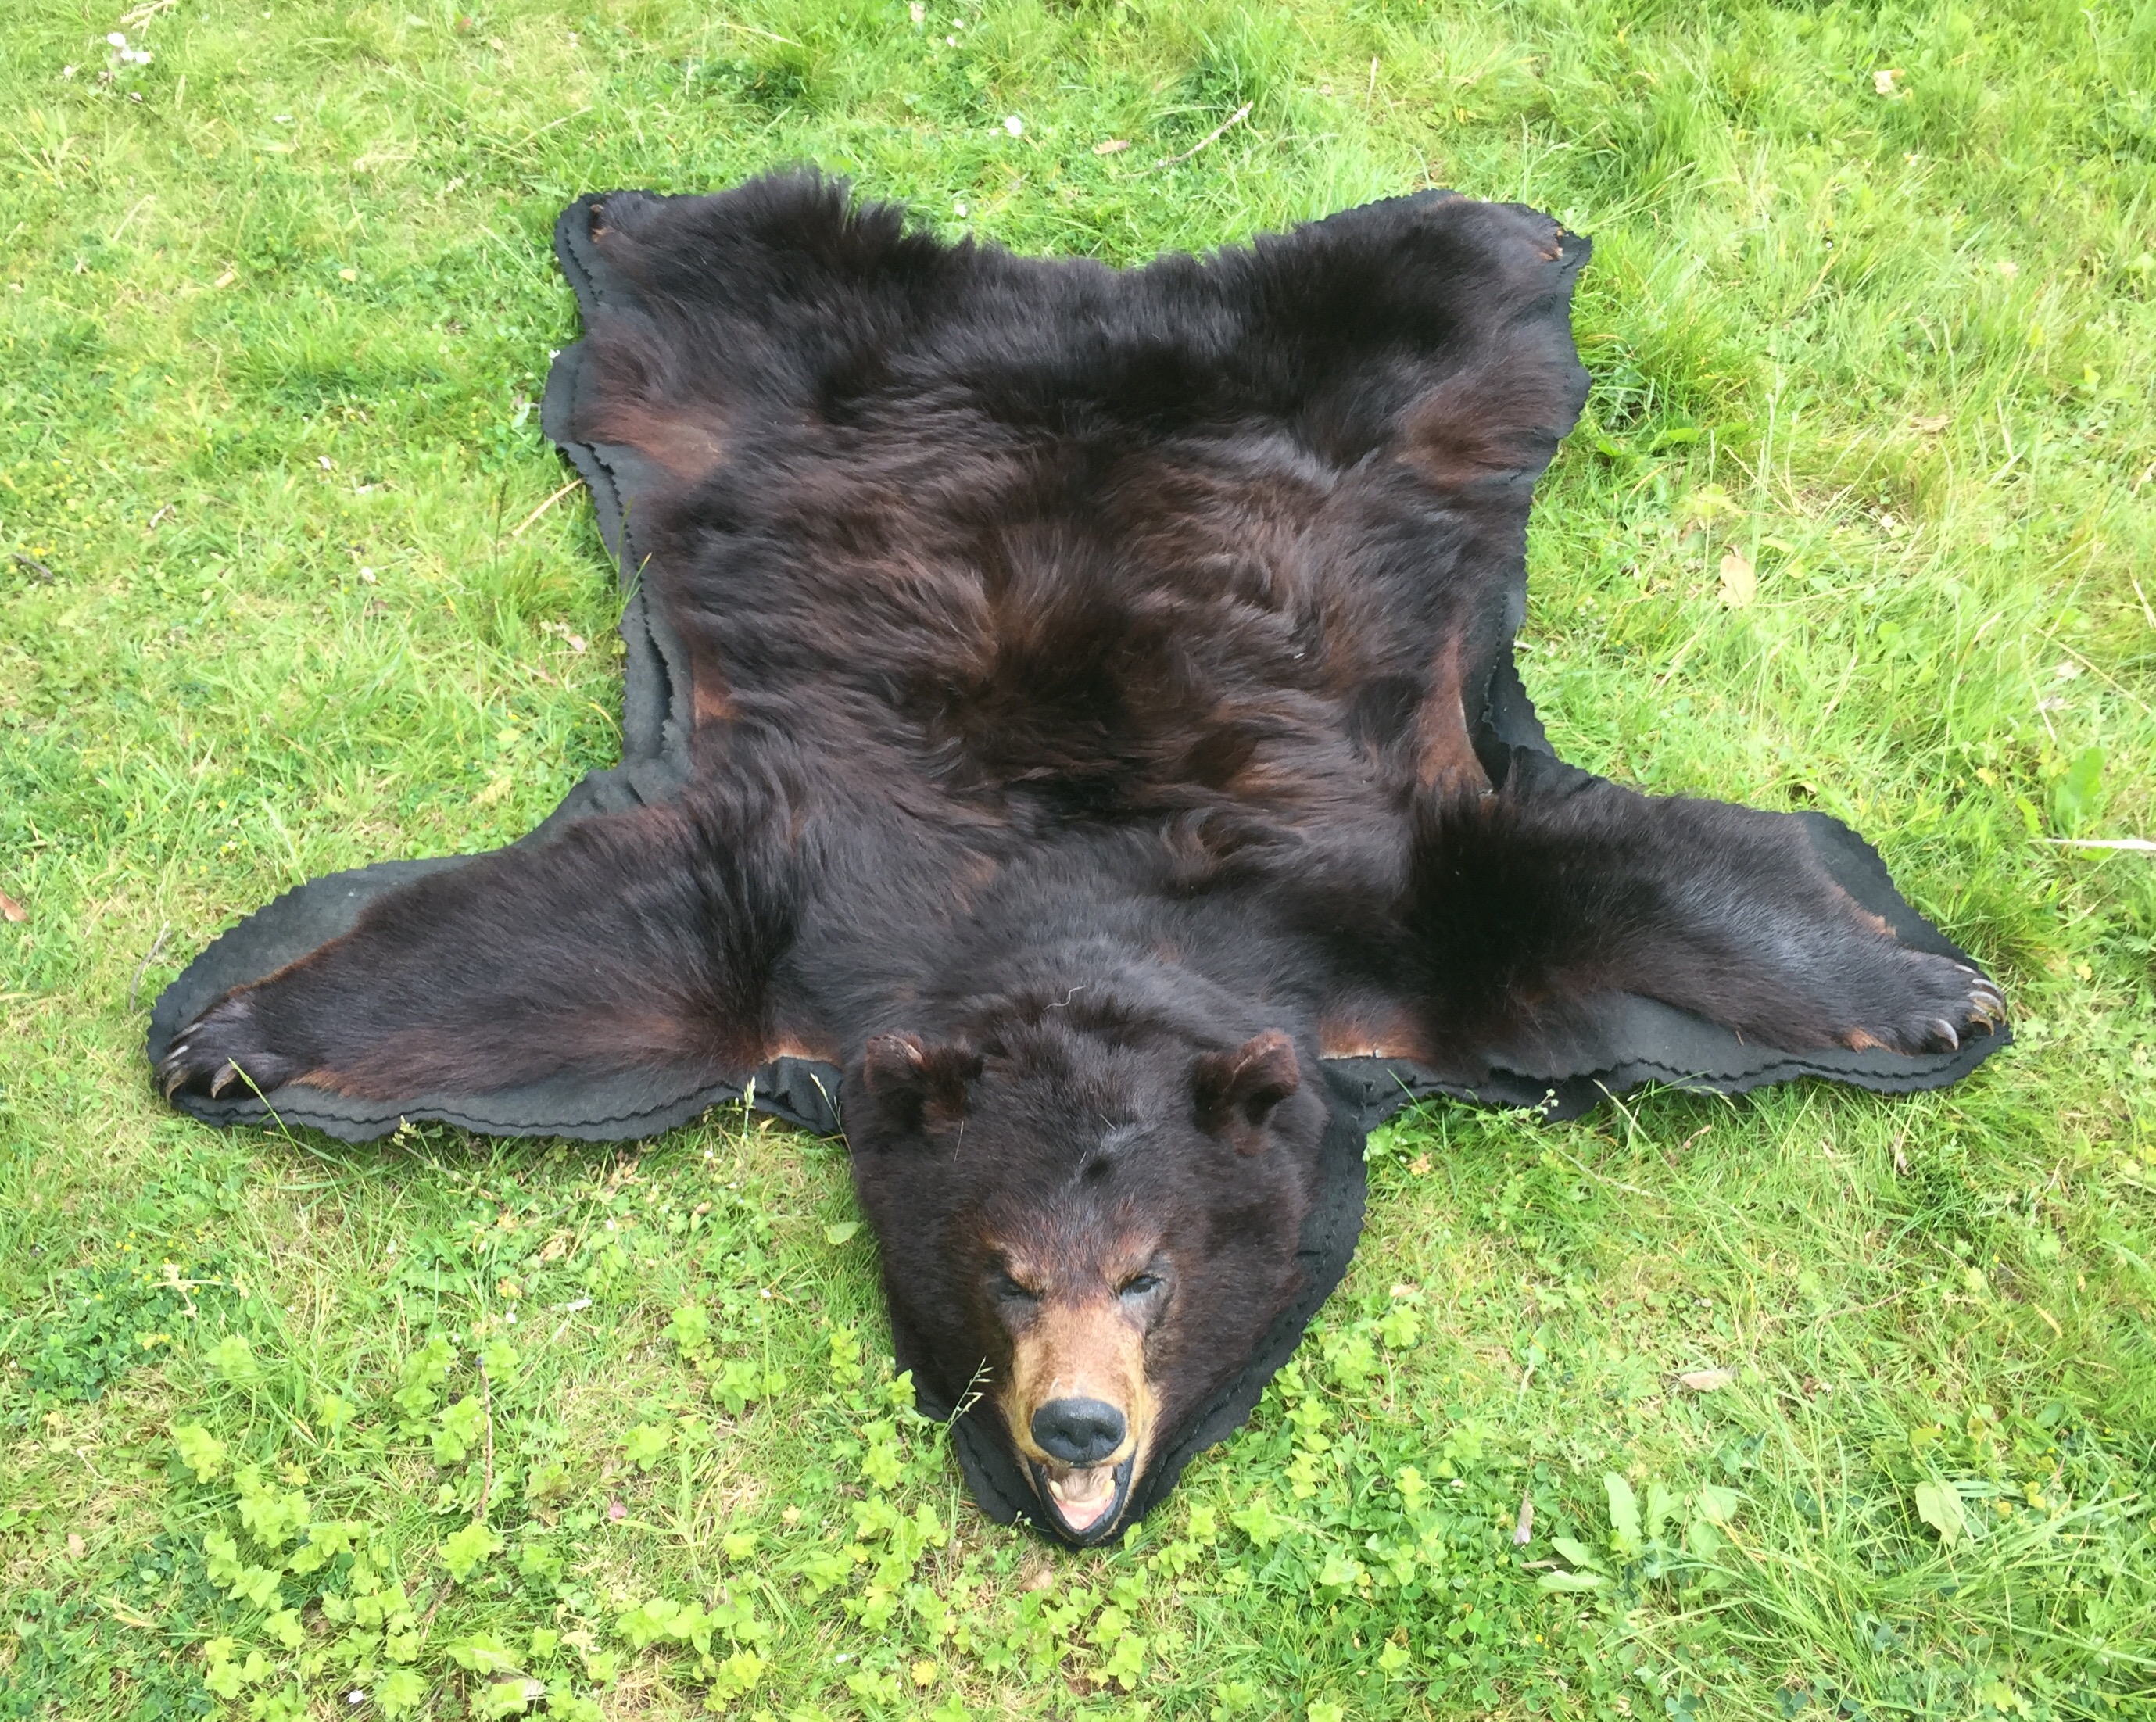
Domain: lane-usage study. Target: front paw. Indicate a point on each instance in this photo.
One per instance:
(1936, 1004)
(224, 1050)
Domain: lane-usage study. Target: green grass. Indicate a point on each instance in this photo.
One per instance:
(273, 308)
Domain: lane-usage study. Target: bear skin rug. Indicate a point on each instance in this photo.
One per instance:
(1071, 714)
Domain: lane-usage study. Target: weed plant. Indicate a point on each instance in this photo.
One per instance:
(1815, 1404)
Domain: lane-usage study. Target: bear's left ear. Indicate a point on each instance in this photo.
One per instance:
(915, 1086)
(1237, 1091)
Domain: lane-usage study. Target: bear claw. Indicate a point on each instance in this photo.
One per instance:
(221, 1049)
(1943, 1005)
(1980, 1009)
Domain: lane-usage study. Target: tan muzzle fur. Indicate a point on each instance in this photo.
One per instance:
(1081, 1348)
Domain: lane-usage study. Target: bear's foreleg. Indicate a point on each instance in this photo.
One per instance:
(637, 938)
(1560, 887)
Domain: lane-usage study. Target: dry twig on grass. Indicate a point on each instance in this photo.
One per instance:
(134, 987)
(1239, 114)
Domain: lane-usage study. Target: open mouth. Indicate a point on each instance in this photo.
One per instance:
(1085, 1502)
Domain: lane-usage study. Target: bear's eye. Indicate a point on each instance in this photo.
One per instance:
(1142, 1286)
(1006, 1290)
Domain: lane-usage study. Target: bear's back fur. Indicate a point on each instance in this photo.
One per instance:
(1024, 542)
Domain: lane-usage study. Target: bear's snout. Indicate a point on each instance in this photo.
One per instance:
(1078, 1431)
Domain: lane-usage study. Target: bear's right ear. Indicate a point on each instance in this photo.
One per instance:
(1235, 1092)
(918, 1087)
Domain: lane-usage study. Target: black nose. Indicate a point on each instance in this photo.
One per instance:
(1078, 1431)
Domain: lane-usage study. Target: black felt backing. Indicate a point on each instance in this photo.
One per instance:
(1632, 1040)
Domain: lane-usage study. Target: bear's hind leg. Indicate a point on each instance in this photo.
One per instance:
(633, 940)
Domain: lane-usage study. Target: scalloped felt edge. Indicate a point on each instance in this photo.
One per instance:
(1640, 1042)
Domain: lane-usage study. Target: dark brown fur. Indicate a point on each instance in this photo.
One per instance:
(1089, 672)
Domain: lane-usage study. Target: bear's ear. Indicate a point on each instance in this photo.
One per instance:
(1237, 1091)
(915, 1086)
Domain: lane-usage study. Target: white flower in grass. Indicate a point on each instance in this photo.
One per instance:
(1014, 126)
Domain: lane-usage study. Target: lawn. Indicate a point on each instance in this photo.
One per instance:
(1862, 516)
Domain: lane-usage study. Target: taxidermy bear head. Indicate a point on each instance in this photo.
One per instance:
(1088, 1208)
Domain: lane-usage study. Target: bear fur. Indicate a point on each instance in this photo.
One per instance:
(1089, 672)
